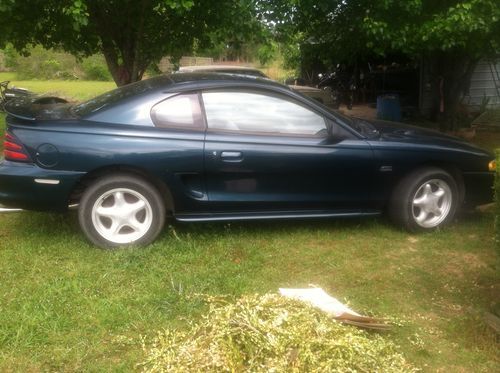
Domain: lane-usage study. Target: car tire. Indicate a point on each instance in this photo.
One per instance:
(121, 210)
(424, 200)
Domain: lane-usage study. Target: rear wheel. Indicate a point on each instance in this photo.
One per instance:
(424, 200)
(121, 210)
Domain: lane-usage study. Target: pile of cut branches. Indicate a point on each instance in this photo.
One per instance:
(270, 333)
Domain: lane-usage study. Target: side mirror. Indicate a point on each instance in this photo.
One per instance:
(332, 129)
(335, 132)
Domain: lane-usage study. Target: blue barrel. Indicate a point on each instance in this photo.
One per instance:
(388, 107)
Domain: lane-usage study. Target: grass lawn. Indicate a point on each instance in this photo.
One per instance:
(65, 305)
(73, 90)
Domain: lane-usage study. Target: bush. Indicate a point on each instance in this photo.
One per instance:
(153, 70)
(271, 334)
(50, 68)
(95, 68)
(10, 57)
(44, 64)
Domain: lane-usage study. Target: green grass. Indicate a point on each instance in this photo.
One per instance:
(73, 90)
(66, 306)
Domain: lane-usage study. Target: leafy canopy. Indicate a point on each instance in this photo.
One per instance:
(345, 29)
(450, 35)
(130, 33)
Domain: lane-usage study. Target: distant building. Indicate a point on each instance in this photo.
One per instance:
(484, 90)
(484, 85)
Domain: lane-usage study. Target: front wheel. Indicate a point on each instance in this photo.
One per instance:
(121, 210)
(424, 200)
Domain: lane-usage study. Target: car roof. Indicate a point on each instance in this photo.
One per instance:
(208, 79)
(217, 67)
(174, 83)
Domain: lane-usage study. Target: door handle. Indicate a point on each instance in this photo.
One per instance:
(231, 155)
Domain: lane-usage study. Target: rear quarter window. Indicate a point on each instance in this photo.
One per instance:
(181, 111)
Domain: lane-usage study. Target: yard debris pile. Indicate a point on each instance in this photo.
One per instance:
(270, 333)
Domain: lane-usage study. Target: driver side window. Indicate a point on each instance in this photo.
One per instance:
(252, 112)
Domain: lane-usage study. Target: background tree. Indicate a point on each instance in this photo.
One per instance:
(129, 33)
(451, 36)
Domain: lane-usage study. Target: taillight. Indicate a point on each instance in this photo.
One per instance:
(13, 150)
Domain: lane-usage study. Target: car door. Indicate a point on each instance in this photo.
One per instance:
(179, 137)
(267, 152)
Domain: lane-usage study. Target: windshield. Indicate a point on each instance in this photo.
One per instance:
(344, 118)
(109, 98)
(361, 126)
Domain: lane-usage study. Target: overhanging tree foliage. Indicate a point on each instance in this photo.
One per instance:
(130, 33)
(451, 35)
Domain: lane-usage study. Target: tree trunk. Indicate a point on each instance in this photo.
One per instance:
(121, 49)
(451, 72)
(130, 70)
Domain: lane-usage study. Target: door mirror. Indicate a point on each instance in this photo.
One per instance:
(335, 132)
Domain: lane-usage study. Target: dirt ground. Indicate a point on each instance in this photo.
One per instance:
(360, 111)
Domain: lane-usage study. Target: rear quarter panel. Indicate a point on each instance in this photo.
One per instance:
(87, 146)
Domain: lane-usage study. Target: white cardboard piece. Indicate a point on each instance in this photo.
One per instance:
(318, 298)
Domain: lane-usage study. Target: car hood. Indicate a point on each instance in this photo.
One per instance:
(40, 108)
(399, 132)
